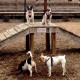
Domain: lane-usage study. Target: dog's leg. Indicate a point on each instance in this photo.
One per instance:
(48, 22)
(35, 68)
(49, 71)
(43, 22)
(27, 17)
(64, 70)
(45, 19)
(50, 19)
(33, 17)
(30, 69)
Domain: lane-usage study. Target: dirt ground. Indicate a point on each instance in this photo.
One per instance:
(12, 54)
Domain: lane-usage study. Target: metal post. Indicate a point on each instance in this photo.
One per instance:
(32, 42)
(27, 42)
(47, 40)
(24, 10)
(53, 42)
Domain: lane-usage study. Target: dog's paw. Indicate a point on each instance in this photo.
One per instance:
(30, 75)
(63, 74)
(48, 75)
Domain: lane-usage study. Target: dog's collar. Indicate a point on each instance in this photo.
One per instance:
(47, 60)
(51, 61)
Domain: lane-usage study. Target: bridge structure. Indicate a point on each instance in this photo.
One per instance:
(28, 30)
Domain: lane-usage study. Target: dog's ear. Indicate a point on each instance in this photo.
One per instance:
(27, 7)
(31, 7)
(41, 53)
(28, 54)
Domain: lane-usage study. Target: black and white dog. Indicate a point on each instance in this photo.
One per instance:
(52, 61)
(47, 17)
(30, 14)
(27, 64)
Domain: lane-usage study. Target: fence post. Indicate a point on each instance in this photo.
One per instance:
(27, 43)
(47, 40)
(53, 43)
(32, 42)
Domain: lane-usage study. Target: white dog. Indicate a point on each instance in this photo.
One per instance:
(27, 64)
(30, 14)
(52, 61)
(47, 17)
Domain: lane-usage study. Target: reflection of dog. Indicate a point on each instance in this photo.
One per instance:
(47, 17)
(27, 64)
(52, 61)
(30, 14)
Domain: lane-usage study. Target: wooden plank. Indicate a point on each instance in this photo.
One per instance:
(32, 42)
(53, 25)
(23, 26)
(12, 31)
(7, 34)
(36, 24)
(17, 29)
(27, 24)
(2, 37)
(53, 43)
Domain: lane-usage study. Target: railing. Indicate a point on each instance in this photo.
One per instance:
(63, 7)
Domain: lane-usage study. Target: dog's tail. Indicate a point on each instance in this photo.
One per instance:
(64, 56)
(30, 53)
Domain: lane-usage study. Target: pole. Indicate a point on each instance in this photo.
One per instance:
(53, 42)
(47, 40)
(27, 43)
(32, 42)
(47, 34)
(45, 5)
(24, 10)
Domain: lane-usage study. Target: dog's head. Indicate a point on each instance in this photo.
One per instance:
(29, 8)
(29, 53)
(41, 58)
(48, 12)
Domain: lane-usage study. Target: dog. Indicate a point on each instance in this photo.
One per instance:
(47, 17)
(30, 14)
(27, 64)
(52, 61)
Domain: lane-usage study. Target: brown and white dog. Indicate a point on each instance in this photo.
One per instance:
(52, 61)
(30, 14)
(47, 17)
(28, 64)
